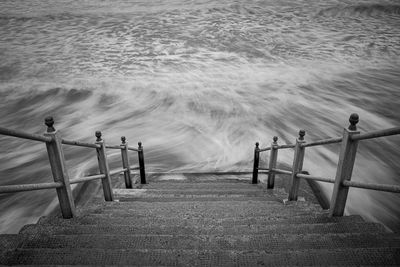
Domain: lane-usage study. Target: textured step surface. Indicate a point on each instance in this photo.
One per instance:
(172, 257)
(225, 222)
(273, 242)
(222, 208)
(317, 228)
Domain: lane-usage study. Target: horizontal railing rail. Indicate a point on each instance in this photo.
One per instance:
(29, 187)
(371, 186)
(78, 143)
(286, 146)
(323, 142)
(264, 149)
(114, 147)
(87, 178)
(113, 172)
(342, 182)
(24, 135)
(278, 147)
(132, 148)
(376, 134)
(280, 171)
(62, 182)
(315, 178)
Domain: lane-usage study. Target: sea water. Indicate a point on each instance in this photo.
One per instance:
(199, 82)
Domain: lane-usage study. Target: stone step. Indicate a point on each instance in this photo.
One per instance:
(138, 257)
(205, 209)
(9, 242)
(271, 242)
(187, 214)
(191, 192)
(192, 198)
(201, 185)
(317, 228)
(225, 222)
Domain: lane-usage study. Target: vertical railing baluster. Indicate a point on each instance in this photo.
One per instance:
(103, 166)
(59, 171)
(344, 170)
(125, 162)
(141, 164)
(256, 163)
(272, 163)
(297, 166)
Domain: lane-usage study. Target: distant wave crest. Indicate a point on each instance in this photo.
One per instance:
(361, 10)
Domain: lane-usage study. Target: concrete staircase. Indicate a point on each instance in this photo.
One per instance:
(201, 222)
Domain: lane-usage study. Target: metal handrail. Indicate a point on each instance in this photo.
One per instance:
(24, 135)
(281, 171)
(265, 149)
(86, 178)
(286, 146)
(78, 143)
(114, 147)
(371, 186)
(118, 171)
(133, 149)
(315, 178)
(323, 142)
(29, 187)
(376, 134)
(278, 147)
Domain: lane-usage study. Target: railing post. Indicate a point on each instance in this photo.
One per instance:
(141, 164)
(59, 171)
(344, 170)
(272, 163)
(125, 162)
(297, 166)
(256, 163)
(103, 166)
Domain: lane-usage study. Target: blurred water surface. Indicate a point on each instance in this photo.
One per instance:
(198, 82)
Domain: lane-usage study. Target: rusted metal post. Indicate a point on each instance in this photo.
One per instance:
(103, 166)
(141, 164)
(272, 163)
(58, 169)
(297, 166)
(256, 163)
(344, 170)
(125, 162)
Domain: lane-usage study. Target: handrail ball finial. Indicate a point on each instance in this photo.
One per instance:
(139, 145)
(354, 119)
(302, 133)
(275, 139)
(98, 135)
(123, 139)
(49, 121)
(257, 144)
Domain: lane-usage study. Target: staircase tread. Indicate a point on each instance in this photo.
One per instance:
(339, 227)
(173, 257)
(274, 242)
(227, 222)
(205, 209)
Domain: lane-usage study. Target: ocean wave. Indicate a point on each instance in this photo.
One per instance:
(361, 10)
